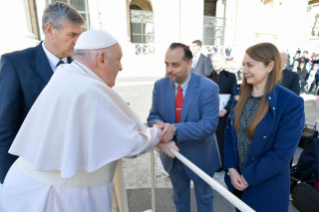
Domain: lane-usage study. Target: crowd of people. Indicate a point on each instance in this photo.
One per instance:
(64, 130)
(307, 68)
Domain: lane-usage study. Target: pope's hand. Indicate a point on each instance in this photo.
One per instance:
(165, 147)
(168, 131)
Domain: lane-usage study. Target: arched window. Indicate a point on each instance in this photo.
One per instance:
(142, 22)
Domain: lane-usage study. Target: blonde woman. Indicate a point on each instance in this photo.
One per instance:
(262, 134)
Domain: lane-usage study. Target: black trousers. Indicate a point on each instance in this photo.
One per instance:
(238, 194)
(220, 134)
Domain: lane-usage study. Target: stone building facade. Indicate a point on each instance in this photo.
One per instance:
(145, 28)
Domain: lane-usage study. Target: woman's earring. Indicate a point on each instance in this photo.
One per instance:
(268, 72)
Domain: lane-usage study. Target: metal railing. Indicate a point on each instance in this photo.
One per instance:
(215, 185)
(144, 49)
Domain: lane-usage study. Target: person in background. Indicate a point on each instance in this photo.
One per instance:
(298, 51)
(288, 63)
(311, 78)
(201, 64)
(295, 66)
(306, 57)
(290, 80)
(263, 132)
(226, 82)
(228, 51)
(297, 57)
(313, 56)
(302, 73)
(316, 60)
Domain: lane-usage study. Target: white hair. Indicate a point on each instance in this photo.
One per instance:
(90, 55)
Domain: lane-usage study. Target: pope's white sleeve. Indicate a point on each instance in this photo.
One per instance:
(146, 142)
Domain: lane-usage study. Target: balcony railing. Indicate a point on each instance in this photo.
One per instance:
(144, 49)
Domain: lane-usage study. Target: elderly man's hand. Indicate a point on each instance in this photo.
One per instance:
(165, 147)
(168, 131)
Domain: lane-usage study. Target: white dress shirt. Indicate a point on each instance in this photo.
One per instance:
(184, 86)
(53, 60)
(195, 59)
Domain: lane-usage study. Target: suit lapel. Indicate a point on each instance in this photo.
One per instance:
(170, 101)
(190, 94)
(42, 66)
(70, 60)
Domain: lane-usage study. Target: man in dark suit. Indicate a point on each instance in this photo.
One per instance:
(23, 74)
(228, 51)
(201, 64)
(289, 79)
(185, 105)
(226, 82)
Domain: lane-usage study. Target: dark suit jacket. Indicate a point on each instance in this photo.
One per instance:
(227, 82)
(273, 146)
(211, 68)
(290, 80)
(228, 51)
(202, 66)
(23, 75)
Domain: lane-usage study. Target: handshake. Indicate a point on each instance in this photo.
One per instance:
(166, 143)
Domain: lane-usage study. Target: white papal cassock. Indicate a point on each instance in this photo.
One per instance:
(70, 145)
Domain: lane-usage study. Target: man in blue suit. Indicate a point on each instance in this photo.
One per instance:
(186, 106)
(23, 74)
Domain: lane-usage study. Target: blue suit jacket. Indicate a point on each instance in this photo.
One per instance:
(23, 75)
(273, 146)
(196, 130)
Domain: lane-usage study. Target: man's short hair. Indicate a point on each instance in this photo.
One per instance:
(198, 42)
(187, 52)
(305, 52)
(58, 13)
(218, 53)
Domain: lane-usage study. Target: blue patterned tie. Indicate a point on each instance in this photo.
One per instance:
(59, 63)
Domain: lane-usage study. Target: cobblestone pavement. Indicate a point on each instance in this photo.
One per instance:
(138, 93)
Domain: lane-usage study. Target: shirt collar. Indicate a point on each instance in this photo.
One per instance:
(53, 60)
(197, 55)
(284, 67)
(185, 84)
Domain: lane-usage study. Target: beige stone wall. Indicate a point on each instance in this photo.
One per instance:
(17, 30)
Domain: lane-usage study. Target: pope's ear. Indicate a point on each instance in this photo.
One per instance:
(101, 60)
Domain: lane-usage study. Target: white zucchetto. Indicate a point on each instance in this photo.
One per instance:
(95, 39)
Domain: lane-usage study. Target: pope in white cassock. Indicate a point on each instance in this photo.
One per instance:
(71, 143)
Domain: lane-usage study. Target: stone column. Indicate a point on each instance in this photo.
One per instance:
(191, 25)
(94, 14)
(228, 21)
(114, 18)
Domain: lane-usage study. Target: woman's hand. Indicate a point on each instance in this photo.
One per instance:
(236, 180)
(165, 147)
(243, 179)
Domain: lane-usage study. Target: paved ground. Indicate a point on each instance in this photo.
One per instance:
(138, 93)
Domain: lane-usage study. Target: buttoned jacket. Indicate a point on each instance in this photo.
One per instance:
(273, 146)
